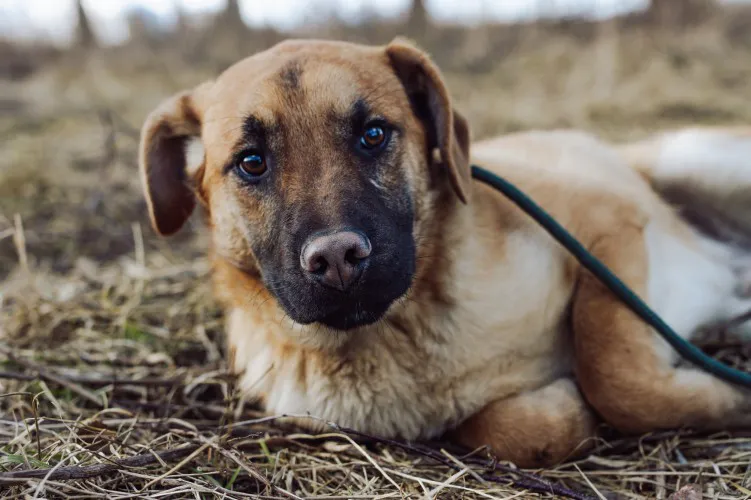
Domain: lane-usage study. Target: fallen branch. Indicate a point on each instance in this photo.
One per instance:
(93, 381)
(74, 382)
(48, 376)
(88, 471)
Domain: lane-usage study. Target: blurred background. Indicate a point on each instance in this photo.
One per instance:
(78, 77)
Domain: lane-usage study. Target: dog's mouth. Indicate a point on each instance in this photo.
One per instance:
(343, 312)
(307, 303)
(351, 317)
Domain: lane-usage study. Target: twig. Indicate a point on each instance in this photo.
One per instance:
(19, 239)
(541, 486)
(52, 377)
(110, 141)
(177, 467)
(77, 379)
(599, 495)
(463, 466)
(252, 472)
(88, 471)
(171, 408)
(17, 376)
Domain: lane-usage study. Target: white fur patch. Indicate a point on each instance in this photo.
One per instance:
(716, 161)
(691, 287)
(194, 155)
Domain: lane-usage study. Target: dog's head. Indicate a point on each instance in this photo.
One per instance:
(321, 163)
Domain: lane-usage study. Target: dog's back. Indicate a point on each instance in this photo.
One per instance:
(705, 172)
(574, 174)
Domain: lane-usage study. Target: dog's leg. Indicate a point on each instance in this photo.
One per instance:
(621, 363)
(534, 429)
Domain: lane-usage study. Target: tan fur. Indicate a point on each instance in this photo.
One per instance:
(536, 427)
(482, 346)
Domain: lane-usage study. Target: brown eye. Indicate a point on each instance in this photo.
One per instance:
(252, 165)
(373, 137)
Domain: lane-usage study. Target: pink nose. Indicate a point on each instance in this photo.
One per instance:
(336, 259)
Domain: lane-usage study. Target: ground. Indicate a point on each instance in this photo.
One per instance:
(111, 347)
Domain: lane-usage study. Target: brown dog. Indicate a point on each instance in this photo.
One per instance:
(368, 280)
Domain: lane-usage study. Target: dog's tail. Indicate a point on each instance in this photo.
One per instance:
(706, 172)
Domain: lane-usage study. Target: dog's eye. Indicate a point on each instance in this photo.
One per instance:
(252, 165)
(373, 137)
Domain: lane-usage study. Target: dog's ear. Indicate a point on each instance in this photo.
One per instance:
(168, 187)
(448, 130)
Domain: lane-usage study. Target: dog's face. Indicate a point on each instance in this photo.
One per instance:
(320, 161)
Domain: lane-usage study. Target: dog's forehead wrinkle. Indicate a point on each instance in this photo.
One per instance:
(333, 85)
(290, 74)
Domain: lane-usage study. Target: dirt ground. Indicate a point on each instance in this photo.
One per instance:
(111, 348)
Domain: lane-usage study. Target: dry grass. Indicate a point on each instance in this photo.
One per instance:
(112, 379)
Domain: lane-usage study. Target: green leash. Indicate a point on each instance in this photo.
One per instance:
(623, 292)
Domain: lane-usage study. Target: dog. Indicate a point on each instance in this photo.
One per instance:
(369, 281)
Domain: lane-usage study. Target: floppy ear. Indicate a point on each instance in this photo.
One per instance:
(448, 130)
(162, 160)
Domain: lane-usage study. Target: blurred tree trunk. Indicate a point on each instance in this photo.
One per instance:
(230, 19)
(183, 23)
(679, 13)
(84, 34)
(418, 21)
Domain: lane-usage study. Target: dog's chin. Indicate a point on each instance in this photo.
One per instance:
(345, 317)
(348, 318)
(340, 312)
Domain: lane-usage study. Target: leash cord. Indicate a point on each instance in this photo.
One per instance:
(686, 349)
